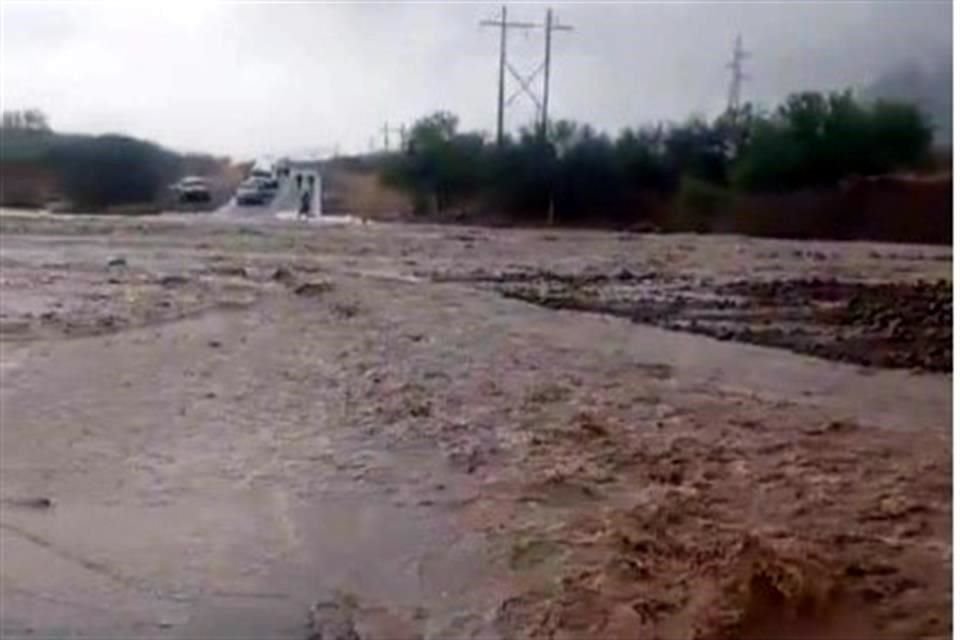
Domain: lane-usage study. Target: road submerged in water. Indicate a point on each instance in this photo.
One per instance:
(254, 429)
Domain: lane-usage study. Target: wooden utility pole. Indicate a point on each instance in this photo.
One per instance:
(549, 27)
(504, 25)
(503, 63)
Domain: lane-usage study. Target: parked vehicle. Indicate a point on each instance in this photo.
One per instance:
(192, 189)
(254, 191)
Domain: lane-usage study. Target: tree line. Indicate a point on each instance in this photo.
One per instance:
(578, 174)
(94, 172)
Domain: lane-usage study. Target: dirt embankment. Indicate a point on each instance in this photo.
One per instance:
(26, 185)
(360, 192)
(884, 209)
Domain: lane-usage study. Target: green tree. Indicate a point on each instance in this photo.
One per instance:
(439, 165)
(109, 170)
(816, 140)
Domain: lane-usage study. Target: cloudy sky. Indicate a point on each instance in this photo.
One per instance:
(254, 78)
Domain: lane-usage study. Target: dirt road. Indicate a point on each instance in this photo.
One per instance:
(271, 430)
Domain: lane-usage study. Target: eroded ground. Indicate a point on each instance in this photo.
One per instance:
(271, 430)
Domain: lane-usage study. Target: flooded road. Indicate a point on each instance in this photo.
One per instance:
(272, 430)
(203, 483)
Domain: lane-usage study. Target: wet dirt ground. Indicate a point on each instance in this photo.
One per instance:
(271, 430)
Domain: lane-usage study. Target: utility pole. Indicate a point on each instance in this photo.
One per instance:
(549, 28)
(504, 26)
(386, 130)
(737, 76)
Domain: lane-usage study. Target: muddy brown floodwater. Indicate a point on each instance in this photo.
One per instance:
(271, 430)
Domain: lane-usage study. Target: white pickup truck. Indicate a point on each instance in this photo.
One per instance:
(192, 189)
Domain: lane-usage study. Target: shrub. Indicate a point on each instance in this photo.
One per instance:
(111, 170)
(816, 140)
(812, 140)
(700, 203)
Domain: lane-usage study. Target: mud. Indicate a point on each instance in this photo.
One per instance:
(890, 325)
(352, 432)
(739, 530)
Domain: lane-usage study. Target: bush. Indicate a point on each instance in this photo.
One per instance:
(587, 181)
(520, 175)
(700, 203)
(92, 171)
(812, 140)
(113, 170)
(438, 164)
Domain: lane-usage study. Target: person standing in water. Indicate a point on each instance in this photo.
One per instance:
(305, 196)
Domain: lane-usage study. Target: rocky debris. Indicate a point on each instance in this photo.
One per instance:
(343, 618)
(174, 280)
(230, 271)
(345, 310)
(313, 289)
(10, 327)
(38, 502)
(282, 275)
(117, 261)
(467, 459)
(332, 620)
(545, 277)
(893, 325)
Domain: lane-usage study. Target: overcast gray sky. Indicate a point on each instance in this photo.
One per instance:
(247, 79)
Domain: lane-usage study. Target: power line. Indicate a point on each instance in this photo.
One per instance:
(504, 26)
(525, 82)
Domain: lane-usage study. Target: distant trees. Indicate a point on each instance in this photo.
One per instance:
(438, 165)
(25, 120)
(113, 170)
(95, 172)
(816, 140)
(811, 140)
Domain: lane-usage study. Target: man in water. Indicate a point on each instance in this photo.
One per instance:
(304, 211)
